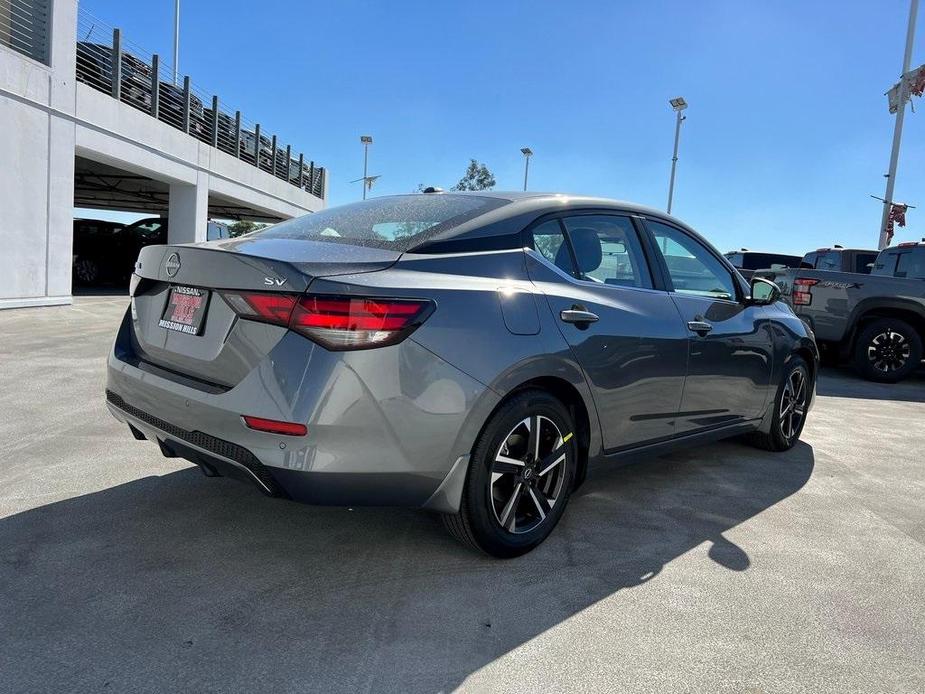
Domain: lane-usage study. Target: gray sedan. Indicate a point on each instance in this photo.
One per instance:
(476, 355)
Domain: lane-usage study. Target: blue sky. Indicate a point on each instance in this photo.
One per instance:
(787, 132)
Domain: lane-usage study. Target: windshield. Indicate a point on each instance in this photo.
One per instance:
(394, 223)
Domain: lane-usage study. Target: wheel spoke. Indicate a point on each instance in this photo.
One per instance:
(505, 464)
(551, 461)
(508, 516)
(542, 506)
(533, 444)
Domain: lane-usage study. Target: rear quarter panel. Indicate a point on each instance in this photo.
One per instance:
(502, 348)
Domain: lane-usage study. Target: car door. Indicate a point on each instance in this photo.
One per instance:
(622, 328)
(729, 342)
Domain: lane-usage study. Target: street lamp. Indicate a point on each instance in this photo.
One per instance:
(176, 41)
(678, 104)
(527, 152)
(366, 140)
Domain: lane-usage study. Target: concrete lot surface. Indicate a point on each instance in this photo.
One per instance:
(719, 569)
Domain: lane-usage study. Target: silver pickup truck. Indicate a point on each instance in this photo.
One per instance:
(875, 320)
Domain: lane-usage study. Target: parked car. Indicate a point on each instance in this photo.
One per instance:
(226, 130)
(248, 149)
(109, 257)
(171, 103)
(470, 354)
(747, 261)
(106, 252)
(95, 67)
(92, 237)
(877, 319)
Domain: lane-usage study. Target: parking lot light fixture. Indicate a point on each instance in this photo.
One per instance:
(678, 104)
(366, 140)
(527, 152)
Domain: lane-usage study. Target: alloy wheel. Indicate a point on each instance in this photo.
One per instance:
(889, 351)
(85, 269)
(793, 404)
(527, 474)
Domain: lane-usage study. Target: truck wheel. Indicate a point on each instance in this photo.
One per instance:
(887, 350)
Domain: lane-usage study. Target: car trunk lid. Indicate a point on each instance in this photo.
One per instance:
(181, 323)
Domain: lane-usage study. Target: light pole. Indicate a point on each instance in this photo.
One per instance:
(367, 140)
(678, 104)
(527, 152)
(176, 41)
(898, 127)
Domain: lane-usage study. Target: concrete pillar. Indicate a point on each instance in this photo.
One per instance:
(37, 103)
(188, 211)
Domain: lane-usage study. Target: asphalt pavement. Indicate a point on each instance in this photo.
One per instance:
(717, 569)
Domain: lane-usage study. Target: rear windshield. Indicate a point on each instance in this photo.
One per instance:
(762, 261)
(396, 223)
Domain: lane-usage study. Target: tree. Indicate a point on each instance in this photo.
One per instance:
(243, 226)
(477, 177)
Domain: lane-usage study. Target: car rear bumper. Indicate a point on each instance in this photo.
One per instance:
(385, 427)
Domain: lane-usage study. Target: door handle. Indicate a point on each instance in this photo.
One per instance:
(574, 315)
(700, 327)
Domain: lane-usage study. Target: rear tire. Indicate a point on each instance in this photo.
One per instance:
(513, 498)
(887, 350)
(790, 409)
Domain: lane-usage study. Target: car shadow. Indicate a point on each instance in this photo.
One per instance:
(845, 383)
(182, 583)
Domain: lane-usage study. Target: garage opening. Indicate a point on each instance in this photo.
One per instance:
(119, 212)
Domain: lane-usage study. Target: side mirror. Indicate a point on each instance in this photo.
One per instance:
(763, 292)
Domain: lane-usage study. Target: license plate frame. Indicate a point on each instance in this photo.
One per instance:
(186, 310)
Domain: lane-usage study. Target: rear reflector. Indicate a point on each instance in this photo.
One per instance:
(272, 426)
(335, 322)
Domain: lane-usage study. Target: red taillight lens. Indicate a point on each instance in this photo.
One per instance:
(272, 426)
(801, 294)
(270, 308)
(335, 322)
(344, 322)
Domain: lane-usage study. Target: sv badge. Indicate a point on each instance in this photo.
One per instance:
(274, 281)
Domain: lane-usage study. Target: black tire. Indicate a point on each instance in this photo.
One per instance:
(483, 507)
(86, 271)
(785, 431)
(887, 350)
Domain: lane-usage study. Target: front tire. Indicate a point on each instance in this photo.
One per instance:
(887, 350)
(790, 409)
(520, 477)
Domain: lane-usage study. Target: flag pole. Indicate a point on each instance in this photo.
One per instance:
(898, 127)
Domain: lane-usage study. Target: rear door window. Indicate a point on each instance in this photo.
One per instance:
(608, 250)
(829, 261)
(862, 262)
(549, 242)
(911, 264)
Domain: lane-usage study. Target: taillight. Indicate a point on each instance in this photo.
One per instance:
(801, 294)
(273, 426)
(335, 322)
(346, 322)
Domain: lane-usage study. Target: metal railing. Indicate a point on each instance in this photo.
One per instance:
(109, 63)
(24, 27)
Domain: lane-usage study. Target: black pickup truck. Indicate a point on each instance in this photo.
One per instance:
(876, 319)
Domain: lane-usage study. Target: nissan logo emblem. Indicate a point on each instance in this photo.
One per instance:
(172, 265)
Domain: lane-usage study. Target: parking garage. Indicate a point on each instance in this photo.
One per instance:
(102, 125)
